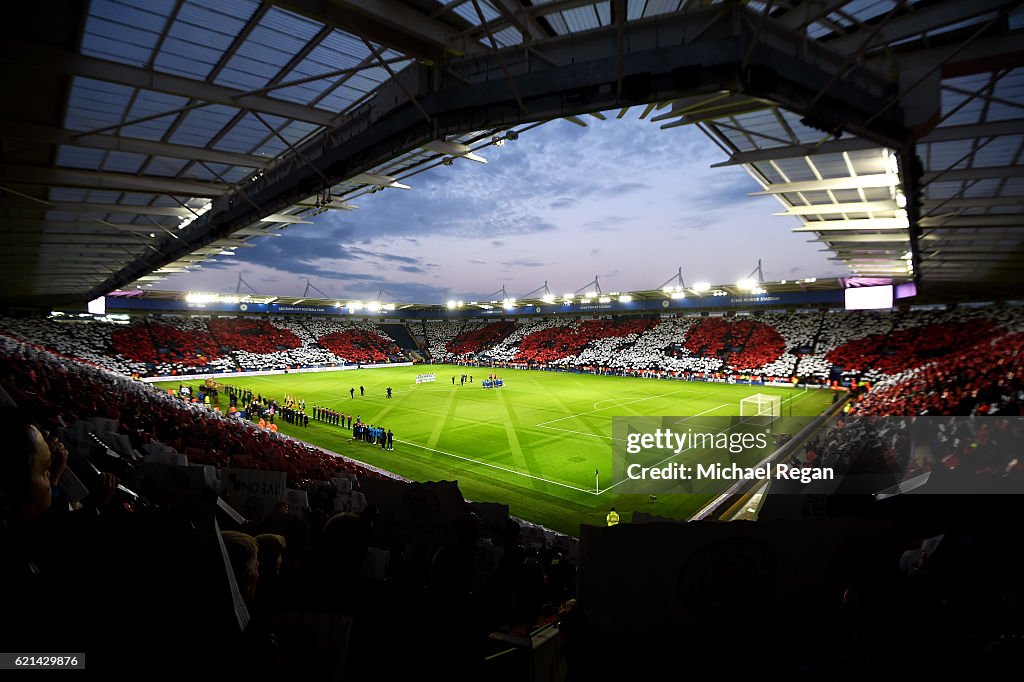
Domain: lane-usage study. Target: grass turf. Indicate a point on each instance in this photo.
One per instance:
(533, 444)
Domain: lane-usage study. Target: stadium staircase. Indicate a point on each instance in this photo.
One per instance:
(400, 333)
(813, 346)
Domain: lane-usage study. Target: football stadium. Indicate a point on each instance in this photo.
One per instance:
(282, 399)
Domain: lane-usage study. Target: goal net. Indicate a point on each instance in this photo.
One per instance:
(760, 409)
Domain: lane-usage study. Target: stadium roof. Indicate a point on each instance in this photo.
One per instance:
(141, 139)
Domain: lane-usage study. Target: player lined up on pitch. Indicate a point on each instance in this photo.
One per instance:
(374, 435)
(329, 416)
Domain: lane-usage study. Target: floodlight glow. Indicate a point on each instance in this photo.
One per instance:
(893, 164)
(200, 298)
(701, 287)
(373, 306)
(548, 298)
(584, 300)
(757, 291)
(451, 304)
(568, 297)
(355, 305)
(667, 290)
(604, 299)
(678, 294)
(229, 299)
(747, 284)
(591, 294)
(625, 299)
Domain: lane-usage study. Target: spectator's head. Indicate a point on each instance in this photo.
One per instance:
(25, 491)
(271, 553)
(243, 553)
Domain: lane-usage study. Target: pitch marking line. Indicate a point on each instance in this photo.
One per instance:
(702, 413)
(597, 435)
(495, 466)
(628, 402)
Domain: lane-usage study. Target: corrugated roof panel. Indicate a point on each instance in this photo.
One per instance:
(271, 45)
(557, 23)
(1000, 152)
(98, 196)
(942, 190)
(796, 170)
(123, 32)
(508, 36)
(164, 166)
(862, 10)
(208, 171)
(830, 165)
(136, 198)
(338, 100)
(236, 173)
(604, 13)
(67, 194)
(245, 135)
(271, 148)
(200, 125)
(655, 7)
(298, 130)
(95, 104)
(123, 162)
(988, 187)
(942, 155)
(869, 161)
(580, 19)
(79, 157)
(846, 195)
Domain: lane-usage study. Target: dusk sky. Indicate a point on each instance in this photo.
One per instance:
(621, 199)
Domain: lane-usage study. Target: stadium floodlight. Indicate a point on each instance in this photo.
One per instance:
(591, 294)
(757, 291)
(677, 294)
(373, 306)
(584, 300)
(200, 298)
(230, 299)
(568, 298)
(747, 284)
(355, 305)
(625, 299)
(893, 164)
(604, 299)
(701, 287)
(451, 304)
(667, 290)
(548, 298)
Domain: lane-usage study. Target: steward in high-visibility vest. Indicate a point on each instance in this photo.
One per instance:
(613, 517)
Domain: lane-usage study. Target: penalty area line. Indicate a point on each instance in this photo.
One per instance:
(495, 466)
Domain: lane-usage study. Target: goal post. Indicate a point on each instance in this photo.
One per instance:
(760, 408)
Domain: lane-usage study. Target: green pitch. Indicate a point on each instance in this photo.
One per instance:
(533, 444)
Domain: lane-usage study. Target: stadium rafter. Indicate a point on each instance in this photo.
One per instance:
(182, 126)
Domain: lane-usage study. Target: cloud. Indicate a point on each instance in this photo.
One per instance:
(497, 242)
(608, 223)
(595, 252)
(627, 187)
(524, 262)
